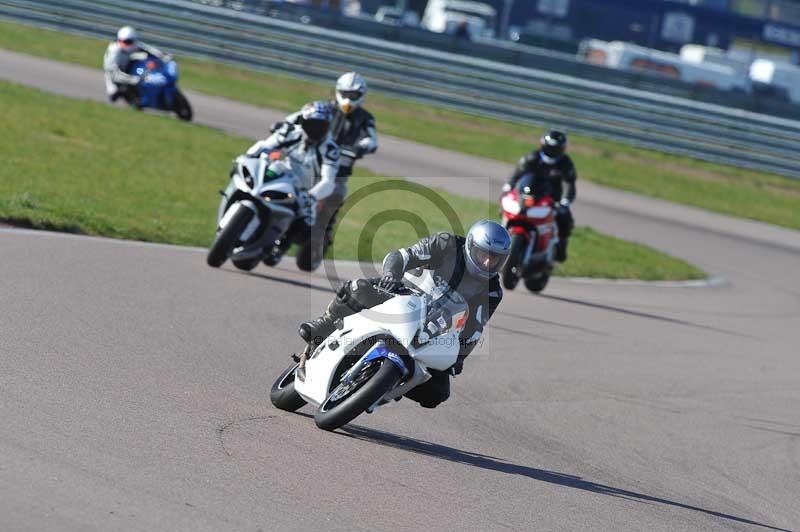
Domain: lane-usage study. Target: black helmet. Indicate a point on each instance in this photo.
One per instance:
(315, 118)
(554, 144)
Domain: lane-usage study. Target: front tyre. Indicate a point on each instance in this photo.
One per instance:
(227, 237)
(283, 394)
(537, 283)
(182, 107)
(347, 402)
(511, 270)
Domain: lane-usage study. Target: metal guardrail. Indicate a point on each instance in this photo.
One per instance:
(478, 86)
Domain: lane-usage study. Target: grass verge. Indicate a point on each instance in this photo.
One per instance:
(719, 188)
(85, 167)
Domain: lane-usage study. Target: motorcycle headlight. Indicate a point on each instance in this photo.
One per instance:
(248, 178)
(270, 195)
(510, 205)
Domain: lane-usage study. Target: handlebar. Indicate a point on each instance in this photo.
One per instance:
(400, 290)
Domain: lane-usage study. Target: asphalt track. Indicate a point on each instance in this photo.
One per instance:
(134, 384)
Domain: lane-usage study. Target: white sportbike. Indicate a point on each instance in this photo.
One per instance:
(378, 354)
(257, 208)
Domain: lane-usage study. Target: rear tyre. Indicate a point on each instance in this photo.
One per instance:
(272, 259)
(512, 267)
(246, 264)
(305, 257)
(367, 388)
(283, 395)
(226, 238)
(182, 107)
(537, 284)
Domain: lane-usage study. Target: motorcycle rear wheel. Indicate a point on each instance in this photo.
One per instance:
(246, 264)
(537, 284)
(305, 257)
(510, 274)
(182, 107)
(283, 394)
(226, 238)
(377, 379)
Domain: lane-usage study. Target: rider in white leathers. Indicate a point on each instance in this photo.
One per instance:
(312, 155)
(119, 83)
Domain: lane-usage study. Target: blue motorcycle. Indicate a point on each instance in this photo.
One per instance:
(158, 88)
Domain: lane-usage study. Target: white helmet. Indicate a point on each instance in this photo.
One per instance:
(486, 248)
(127, 37)
(350, 90)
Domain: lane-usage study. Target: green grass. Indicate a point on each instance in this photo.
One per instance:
(91, 168)
(719, 188)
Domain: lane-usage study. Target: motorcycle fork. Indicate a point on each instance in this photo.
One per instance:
(533, 239)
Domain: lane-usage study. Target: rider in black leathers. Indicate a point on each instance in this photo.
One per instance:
(550, 162)
(469, 265)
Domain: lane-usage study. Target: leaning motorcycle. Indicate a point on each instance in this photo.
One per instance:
(158, 88)
(257, 208)
(377, 355)
(529, 217)
(309, 253)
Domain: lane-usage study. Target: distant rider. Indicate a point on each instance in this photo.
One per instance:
(551, 162)
(310, 152)
(119, 82)
(353, 129)
(469, 265)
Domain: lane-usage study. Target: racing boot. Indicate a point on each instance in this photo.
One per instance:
(315, 331)
(561, 250)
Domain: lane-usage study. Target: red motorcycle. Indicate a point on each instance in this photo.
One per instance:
(529, 216)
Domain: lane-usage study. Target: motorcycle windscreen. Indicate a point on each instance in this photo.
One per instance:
(439, 341)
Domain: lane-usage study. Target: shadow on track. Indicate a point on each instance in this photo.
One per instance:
(292, 282)
(491, 463)
(646, 315)
(520, 333)
(551, 323)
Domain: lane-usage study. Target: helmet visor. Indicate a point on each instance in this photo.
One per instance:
(315, 128)
(351, 95)
(553, 151)
(486, 260)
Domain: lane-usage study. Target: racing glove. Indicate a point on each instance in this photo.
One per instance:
(389, 282)
(307, 208)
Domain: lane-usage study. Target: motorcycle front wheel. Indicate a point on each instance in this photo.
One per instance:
(348, 401)
(510, 273)
(283, 394)
(227, 237)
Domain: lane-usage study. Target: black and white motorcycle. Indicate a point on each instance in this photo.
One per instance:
(257, 208)
(378, 354)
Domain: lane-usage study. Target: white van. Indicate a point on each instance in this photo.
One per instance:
(698, 54)
(444, 16)
(785, 76)
(626, 56)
